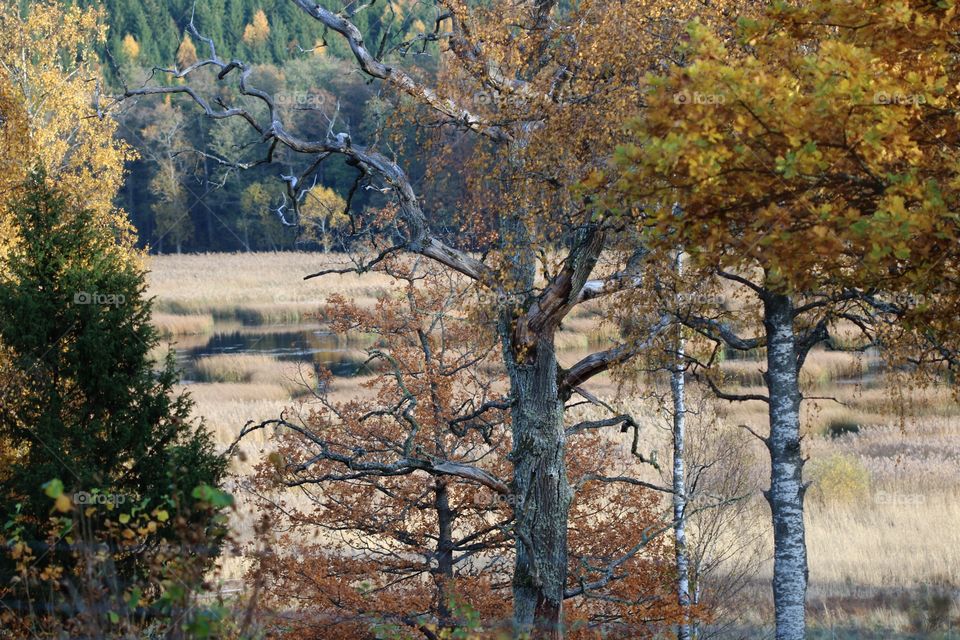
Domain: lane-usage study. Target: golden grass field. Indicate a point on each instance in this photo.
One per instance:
(883, 523)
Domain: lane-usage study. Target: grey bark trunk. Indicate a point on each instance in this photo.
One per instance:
(678, 391)
(680, 489)
(786, 470)
(444, 571)
(542, 495)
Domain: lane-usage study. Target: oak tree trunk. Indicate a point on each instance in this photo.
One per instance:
(542, 494)
(444, 571)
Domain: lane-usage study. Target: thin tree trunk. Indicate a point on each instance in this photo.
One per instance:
(542, 495)
(678, 392)
(444, 571)
(786, 469)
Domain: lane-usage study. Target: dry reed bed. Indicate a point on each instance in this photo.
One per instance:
(259, 288)
(171, 324)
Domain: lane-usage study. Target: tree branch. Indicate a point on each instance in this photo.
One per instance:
(601, 361)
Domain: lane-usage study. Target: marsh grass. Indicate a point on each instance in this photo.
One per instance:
(170, 324)
(253, 289)
(872, 550)
(821, 369)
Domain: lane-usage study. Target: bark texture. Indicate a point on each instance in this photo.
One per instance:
(786, 469)
(678, 392)
(542, 495)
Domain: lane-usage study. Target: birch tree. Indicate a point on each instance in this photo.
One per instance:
(816, 162)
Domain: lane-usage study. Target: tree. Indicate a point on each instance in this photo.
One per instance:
(407, 475)
(321, 214)
(164, 140)
(678, 397)
(187, 53)
(171, 209)
(556, 81)
(816, 168)
(411, 478)
(48, 97)
(131, 48)
(49, 70)
(257, 32)
(88, 406)
(14, 144)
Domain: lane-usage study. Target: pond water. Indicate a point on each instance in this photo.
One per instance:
(312, 346)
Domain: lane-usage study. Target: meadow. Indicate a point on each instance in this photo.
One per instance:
(883, 523)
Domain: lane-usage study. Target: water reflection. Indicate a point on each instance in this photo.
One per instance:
(317, 347)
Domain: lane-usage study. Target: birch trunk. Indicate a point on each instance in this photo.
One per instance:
(679, 489)
(678, 391)
(786, 470)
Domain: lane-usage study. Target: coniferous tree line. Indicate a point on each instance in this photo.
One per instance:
(181, 194)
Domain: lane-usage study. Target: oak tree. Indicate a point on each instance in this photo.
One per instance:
(407, 502)
(539, 90)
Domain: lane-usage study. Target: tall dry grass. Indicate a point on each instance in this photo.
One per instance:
(892, 526)
(253, 288)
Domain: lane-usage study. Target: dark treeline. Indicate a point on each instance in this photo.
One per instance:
(181, 192)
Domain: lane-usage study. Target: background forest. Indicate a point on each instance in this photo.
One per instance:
(184, 201)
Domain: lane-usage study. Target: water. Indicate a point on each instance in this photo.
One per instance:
(312, 346)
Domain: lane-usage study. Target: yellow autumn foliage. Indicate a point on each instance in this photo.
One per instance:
(48, 84)
(48, 94)
(131, 47)
(258, 31)
(838, 478)
(186, 52)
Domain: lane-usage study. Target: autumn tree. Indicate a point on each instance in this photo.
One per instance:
(165, 144)
(402, 482)
(257, 32)
(321, 214)
(814, 161)
(408, 506)
(50, 71)
(48, 90)
(187, 52)
(540, 90)
(130, 47)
